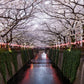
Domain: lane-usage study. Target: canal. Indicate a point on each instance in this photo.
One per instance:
(39, 71)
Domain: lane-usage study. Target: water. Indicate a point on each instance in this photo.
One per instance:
(40, 71)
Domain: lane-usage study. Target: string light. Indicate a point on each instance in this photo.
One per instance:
(22, 46)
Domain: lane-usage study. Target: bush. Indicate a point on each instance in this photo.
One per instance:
(54, 55)
(2, 66)
(8, 62)
(50, 53)
(71, 60)
(30, 52)
(5, 61)
(56, 58)
(6, 58)
(24, 56)
(27, 54)
(14, 60)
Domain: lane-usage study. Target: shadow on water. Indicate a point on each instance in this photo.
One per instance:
(61, 76)
(39, 71)
(18, 77)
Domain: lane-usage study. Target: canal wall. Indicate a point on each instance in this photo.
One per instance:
(9, 69)
(80, 72)
(20, 64)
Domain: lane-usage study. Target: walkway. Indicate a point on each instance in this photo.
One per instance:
(39, 72)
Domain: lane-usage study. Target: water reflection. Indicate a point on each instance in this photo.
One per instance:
(43, 55)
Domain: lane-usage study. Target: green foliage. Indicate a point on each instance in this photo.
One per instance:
(57, 56)
(66, 63)
(2, 66)
(5, 61)
(50, 53)
(71, 60)
(30, 52)
(24, 54)
(6, 58)
(14, 60)
(54, 55)
(8, 62)
(27, 54)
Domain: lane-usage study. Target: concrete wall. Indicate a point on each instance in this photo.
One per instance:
(80, 72)
(19, 60)
(60, 60)
(1, 79)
